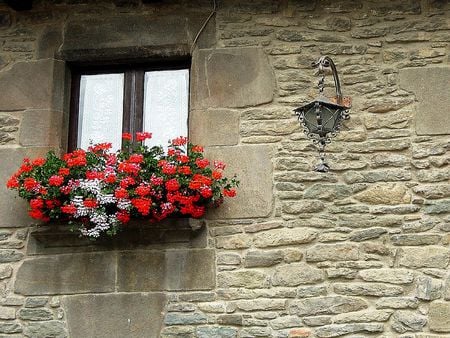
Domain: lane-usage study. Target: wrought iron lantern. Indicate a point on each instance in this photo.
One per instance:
(322, 118)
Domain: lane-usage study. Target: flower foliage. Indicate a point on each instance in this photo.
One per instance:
(98, 191)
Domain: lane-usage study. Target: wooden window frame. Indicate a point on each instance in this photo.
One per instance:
(133, 98)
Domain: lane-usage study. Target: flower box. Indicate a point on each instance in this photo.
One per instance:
(98, 191)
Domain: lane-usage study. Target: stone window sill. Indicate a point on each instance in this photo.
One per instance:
(169, 233)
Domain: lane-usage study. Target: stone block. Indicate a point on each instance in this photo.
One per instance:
(284, 236)
(49, 42)
(41, 128)
(131, 315)
(125, 36)
(232, 77)
(52, 328)
(166, 270)
(12, 208)
(253, 166)
(333, 252)
(439, 316)
(214, 127)
(66, 274)
(424, 257)
(32, 84)
(296, 274)
(327, 305)
(430, 85)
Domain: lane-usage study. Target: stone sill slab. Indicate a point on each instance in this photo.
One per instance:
(139, 234)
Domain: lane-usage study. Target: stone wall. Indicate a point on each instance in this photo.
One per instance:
(362, 251)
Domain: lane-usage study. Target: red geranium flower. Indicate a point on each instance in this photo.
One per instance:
(12, 183)
(38, 162)
(55, 180)
(202, 163)
(69, 209)
(172, 185)
(142, 136)
(127, 136)
(229, 192)
(180, 141)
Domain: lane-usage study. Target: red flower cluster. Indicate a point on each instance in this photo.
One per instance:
(98, 190)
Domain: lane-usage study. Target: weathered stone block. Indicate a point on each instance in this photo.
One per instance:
(333, 252)
(385, 194)
(397, 303)
(284, 236)
(35, 314)
(12, 208)
(52, 328)
(327, 305)
(367, 316)
(367, 289)
(263, 258)
(336, 330)
(175, 318)
(261, 304)
(123, 36)
(32, 84)
(394, 276)
(66, 274)
(133, 315)
(250, 279)
(430, 86)
(232, 77)
(216, 331)
(169, 270)
(254, 197)
(10, 327)
(41, 128)
(424, 257)
(296, 274)
(439, 316)
(224, 123)
(428, 288)
(7, 313)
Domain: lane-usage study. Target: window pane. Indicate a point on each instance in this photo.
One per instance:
(166, 105)
(101, 110)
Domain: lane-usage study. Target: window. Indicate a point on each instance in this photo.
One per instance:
(108, 101)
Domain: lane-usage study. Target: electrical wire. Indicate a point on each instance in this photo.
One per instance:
(204, 25)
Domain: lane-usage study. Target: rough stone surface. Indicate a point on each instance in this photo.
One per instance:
(40, 128)
(429, 85)
(52, 328)
(327, 305)
(336, 252)
(407, 321)
(14, 211)
(225, 124)
(336, 330)
(114, 315)
(427, 257)
(218, 73)
(255, 196)
(82, 273)
(36, 85)
(360, 251)
(170, 270)
(439, 316)
(394, 276)
(296, 274)
(281, 237)
(367, 316)
(385, 194)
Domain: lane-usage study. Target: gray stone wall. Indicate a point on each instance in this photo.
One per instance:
(362, 251)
